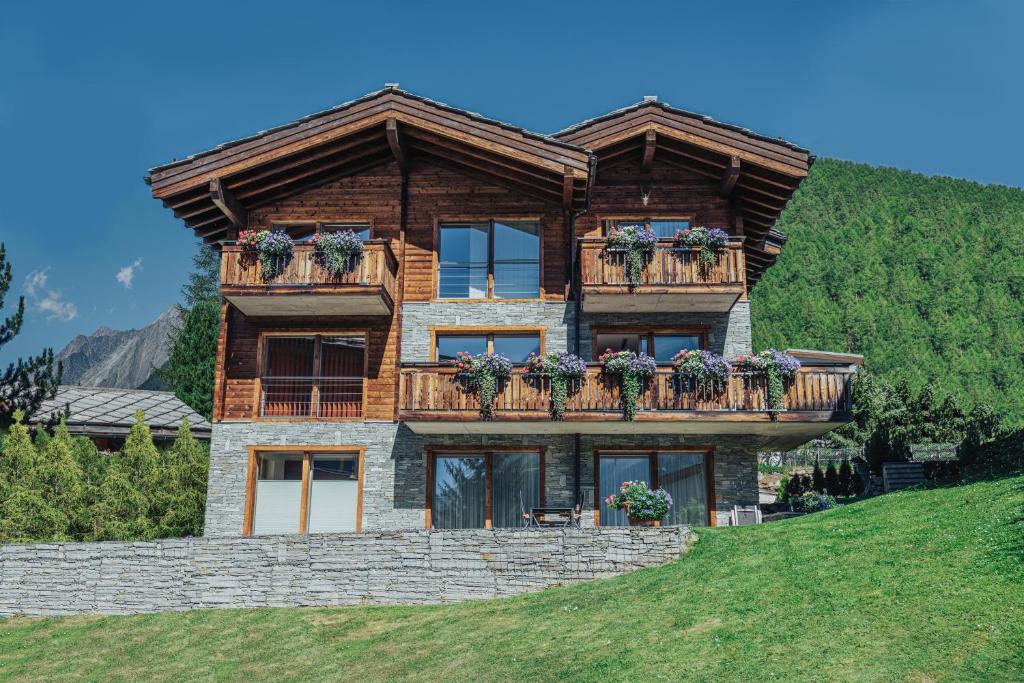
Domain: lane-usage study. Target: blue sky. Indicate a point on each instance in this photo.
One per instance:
(94, 94)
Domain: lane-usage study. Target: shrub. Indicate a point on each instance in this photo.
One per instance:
(814, 502)
(639, 501)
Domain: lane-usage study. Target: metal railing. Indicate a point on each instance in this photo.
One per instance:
(308, 397)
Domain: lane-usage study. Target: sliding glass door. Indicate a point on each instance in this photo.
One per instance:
(614, 470)
(683, 474)
(487, 489)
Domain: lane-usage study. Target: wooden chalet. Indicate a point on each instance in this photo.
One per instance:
(336, 404)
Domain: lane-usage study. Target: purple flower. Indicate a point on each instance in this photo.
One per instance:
(643, 365)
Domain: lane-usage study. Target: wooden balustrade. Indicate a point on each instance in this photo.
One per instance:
(369, 284)
(434, 392)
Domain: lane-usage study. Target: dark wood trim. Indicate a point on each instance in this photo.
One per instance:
(395, 143)
(729, 177)
(650, 145)
(225, 200)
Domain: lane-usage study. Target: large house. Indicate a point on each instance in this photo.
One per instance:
(337, 406)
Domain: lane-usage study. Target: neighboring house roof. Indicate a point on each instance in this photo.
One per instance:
(819, 358)
(100, 411)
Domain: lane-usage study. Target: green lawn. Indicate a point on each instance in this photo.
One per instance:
(918, 586)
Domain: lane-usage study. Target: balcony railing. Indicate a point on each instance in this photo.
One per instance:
(311, 397)
(440, 393)
(673, 279)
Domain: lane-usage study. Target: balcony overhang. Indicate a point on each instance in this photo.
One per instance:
(688, 299)
(335, 302)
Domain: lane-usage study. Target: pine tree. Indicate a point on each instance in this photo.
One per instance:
(180, 504)
(140, 459)
(818, 479)
(832, 481)
(27, 517)
(190, 366)
(845, 479)
(25, 383)
(120, 513)
(19, 457)
(58, 478)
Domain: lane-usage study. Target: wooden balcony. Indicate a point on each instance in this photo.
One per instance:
(304, 288)
(435, 400)
(672, 281)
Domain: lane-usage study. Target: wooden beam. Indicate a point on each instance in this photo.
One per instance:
(567, 187)
(729, 177)
(650, 144)
(395, 142)
(227, 203)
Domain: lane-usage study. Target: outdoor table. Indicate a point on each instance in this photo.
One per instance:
(540, 517)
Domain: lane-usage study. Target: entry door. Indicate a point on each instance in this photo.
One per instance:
(333, 492)
(613, 470)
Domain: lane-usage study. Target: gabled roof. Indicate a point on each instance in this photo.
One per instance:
(758, 173)
(207, 188)
(105, 411)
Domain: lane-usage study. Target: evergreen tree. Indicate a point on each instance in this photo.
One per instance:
(817, 479)
(25, 383)
(27, 517)
(832, 481)
(846, 479)
(139, 458)
(58, 478)
(120, 512)
(181, 501)
(19, 457)
(190, 366)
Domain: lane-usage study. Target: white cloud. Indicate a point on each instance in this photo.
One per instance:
(127, 274)
(36, 281)
(56, 308)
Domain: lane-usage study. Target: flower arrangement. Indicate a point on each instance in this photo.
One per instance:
(709, 240)
(634, 369)
(272, 248)
(640, 503)
(638, 243)
(484, 373)
(561, 369)
(708, 370)
(777, 367)
(336, 252)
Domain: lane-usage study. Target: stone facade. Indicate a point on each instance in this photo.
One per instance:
(318, 570)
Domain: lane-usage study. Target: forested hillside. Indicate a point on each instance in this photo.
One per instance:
(922, 275)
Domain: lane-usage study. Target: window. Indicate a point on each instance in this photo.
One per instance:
(331, 482)
(494, 259)
(661, 345)
(662, 227)
(304, 231)
(517, 346)
(683, 474)
(461, 482)
(313, 376)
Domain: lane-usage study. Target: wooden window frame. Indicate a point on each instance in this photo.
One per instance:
(651, 332)
(709, 472)
(261, 347)
(319, 223)
(488, 453)
(489, 332)
(307, 456)
(490, 220)
(607, 221)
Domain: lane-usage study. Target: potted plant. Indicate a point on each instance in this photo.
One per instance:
(273, 249)
(638, 243)
(642, 506)
(337, 252)
(777, 367)
(635, 370)
(564, 372)
(708, 371)
(484, 373)
(710, 241)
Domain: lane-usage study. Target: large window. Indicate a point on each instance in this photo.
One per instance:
(517, 346)
(493, 259)
(662, 227)
(313, 376)
(683, 474)
(486, 489)
(661, 345)
(329, 481)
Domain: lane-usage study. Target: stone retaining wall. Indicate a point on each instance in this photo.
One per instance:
(333, 569)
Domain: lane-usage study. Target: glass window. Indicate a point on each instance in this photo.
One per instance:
(300, 232)
(615, 469)
(291, 373)
(462, 267)
(621, 341)
(516, 260)
(469, 253)
(333, 493)
(517, 347)
(661, 346)
(682, 475)
(362, 230)
(668, 345)
(515, 487)
(278, 493)
(450, 345)
(460, 492)
(665, 228)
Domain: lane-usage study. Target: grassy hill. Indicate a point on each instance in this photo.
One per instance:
(919, 586)
(922, 275)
